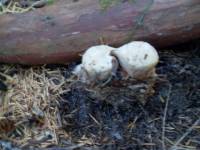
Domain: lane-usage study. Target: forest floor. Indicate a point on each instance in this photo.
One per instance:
(46, 107)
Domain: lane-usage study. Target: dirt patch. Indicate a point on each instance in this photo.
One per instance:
(161, 113)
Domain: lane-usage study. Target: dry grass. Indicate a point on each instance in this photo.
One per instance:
(29, 108)
(13, 7)
(17, 6)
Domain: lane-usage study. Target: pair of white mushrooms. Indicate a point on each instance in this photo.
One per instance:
(99, 63)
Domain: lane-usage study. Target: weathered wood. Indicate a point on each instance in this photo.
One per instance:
(58, 33)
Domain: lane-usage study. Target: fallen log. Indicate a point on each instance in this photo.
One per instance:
(60, 32)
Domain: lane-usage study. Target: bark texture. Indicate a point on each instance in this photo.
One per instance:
(60, 32)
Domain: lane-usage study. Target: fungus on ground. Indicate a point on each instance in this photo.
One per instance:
(137, 59)
(97, 65)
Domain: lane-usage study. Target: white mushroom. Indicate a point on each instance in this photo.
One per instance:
(137, 59)
(97, 64)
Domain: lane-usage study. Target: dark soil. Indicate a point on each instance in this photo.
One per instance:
(124, 116)
(125, 123)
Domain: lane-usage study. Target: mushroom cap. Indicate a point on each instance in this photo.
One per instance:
(137, 58)
(98, 63)
(98, 58)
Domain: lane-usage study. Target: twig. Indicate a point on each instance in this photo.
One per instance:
(174, 147)
(164, 117)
